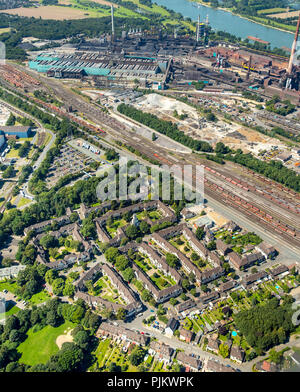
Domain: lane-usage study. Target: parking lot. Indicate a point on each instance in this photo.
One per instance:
(69, 161)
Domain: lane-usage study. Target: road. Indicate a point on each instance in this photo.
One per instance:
(175, 343)
(39, 162)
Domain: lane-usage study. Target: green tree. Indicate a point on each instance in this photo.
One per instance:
(137, 356)
(172, 260)
(58, 286)
(224, 350)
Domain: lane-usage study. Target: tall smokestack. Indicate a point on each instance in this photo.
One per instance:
(198, 29)
(112, 24)
(249, 67)
(294, 48)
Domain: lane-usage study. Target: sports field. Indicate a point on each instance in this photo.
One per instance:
(40, 345)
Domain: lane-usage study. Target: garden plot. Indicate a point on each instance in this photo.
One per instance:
(161, 280)
(104, 288)
(181, 243)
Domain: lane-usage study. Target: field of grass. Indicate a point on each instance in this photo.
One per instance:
(271, 11)
(117, 223)
(10, 286)
(13, 153)
(40, 345)
(10, 309)
(156, 9)
(50, 12)
(23, 201)
(39, 298)
(5, 30)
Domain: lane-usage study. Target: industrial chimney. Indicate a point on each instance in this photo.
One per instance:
(294, 48)
(198, 29)
(112, 24)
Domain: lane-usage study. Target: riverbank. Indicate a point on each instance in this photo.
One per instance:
(245, 17)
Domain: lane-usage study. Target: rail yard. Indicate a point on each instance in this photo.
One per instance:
(269, 204)
(273, 205)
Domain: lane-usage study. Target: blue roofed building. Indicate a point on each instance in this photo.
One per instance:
(2, 141)
(19, 131)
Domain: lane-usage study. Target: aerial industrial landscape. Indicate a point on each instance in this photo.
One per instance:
(149, 187)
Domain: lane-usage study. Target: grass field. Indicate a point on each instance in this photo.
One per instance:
(5, 30)
(49, 12)
(40, 297)
(23, 201)
(9, 286)
(270, 11)
(40, 345)
(10, 309)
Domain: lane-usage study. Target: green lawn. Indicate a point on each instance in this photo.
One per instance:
(40, 297)
(40, 345)
(9, 286)
(23, 201)
(10, 309)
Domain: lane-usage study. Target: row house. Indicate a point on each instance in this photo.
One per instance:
(160, 296)
(279, 271)
(246, 261)
(209, 297)
(186, 335)
(223, 288)
(40, 227)
(196, 245)
(222, 247)
(258, 277)
(237, 354)
(128, 295)
(162, 351)
(84, 211)
(102, 234)
(64, 231)
(217, 367)
(267, 250)
(97, 302)
(214, 259)
(183, 306)
(89, 275)
(185, 262)
(159, 262)
(187, 360)
(78, 237)
(109, 329)
(212, 274)
(172, 231)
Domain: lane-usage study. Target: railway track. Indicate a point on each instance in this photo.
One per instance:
(255, 211)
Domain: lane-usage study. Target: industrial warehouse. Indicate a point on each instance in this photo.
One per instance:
(82, 64)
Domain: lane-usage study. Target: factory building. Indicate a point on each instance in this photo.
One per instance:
(19, 131)
(79, 64)
(2, 141)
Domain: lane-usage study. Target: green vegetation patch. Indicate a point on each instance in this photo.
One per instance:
(40, 345)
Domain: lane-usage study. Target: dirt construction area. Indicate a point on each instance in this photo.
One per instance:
(195, 125)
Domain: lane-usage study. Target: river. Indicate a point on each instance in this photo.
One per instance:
(233, 24)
